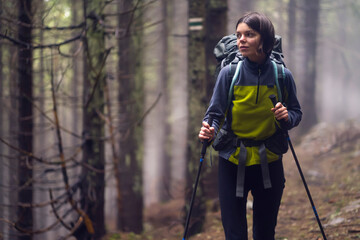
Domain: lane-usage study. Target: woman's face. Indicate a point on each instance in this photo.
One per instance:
(248, 42)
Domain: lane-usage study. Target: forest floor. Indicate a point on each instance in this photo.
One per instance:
(330, 159)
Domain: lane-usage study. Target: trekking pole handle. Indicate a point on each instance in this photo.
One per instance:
(274, 102)
(273, 99)
(205, 144)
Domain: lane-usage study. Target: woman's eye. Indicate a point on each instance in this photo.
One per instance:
(247, 34)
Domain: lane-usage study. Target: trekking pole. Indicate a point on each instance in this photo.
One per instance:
(274, 101)
(202, 155)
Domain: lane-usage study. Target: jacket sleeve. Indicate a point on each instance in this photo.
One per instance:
(219, 100)
(291, 101)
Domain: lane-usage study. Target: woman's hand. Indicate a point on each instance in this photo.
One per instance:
(280, 112)
(206, 132)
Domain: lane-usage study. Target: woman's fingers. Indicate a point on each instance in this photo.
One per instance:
(206, 132)
(280, 112)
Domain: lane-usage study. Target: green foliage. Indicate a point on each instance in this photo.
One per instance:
(56, 14)
(217, 4)
(115, 236)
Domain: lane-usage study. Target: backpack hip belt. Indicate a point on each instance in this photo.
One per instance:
(240, 178)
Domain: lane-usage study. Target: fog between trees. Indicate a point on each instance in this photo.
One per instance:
(117, 92)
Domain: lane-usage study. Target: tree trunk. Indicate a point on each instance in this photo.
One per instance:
(201, 74)
(154, 66)
(310, 31)
(3, 168)
(197, 105)
(178, 89)
(25, 216)
(93, 182)
(236, 8)
(130, 205)
(76, 78)
(343, 66)
(13, 126)
(41, 216)
(216, 23)
(291, 36)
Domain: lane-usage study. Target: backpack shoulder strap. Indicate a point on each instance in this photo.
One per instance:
(235, 75)
(279, 79)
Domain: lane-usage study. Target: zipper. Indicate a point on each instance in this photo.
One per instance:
(258, 87)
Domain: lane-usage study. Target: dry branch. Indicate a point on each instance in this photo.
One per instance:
(88, 222)
(40, 46)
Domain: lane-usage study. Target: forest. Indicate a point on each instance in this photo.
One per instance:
(102, 102)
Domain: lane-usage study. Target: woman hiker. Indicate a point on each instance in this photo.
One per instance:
(251, 160)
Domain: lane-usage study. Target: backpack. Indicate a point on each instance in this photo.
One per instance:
(226, 52)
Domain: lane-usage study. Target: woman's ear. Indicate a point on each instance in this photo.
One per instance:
(260, 48)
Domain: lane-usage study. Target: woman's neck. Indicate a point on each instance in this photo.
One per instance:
(259, 59)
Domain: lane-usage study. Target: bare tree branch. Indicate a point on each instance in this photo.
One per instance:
(26, 45)
(149, 110)
(55, 212)
(97, 76)
(28, 154)
(41, 27)
(88, 222)
(136, 7)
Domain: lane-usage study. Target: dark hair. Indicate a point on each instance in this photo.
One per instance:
(262, 24)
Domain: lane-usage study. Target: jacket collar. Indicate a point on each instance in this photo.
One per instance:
(255, 66)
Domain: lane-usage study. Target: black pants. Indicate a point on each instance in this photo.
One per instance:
(265, 206)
